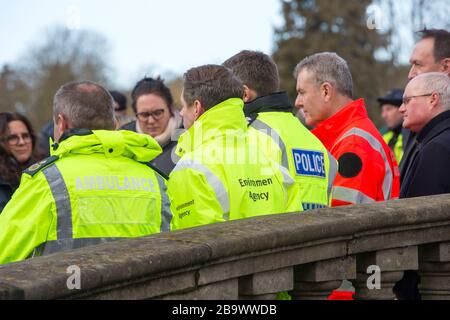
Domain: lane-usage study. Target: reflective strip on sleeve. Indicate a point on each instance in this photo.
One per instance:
(264, 128)
(62, 200)
(287, 178)
(332, 172)
(213, 181)
(376, 145)
(166, 214)
(350, 195)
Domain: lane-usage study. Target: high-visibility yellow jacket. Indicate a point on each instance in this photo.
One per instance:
(294, 147)
(398, 146)
(96, 187)
(220, 176)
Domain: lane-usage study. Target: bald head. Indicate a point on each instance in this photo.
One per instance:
(434, 82)
(426, 96)
(85, 104)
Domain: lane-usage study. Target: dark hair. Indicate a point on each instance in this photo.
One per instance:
(11, 171)
(441, 42)
(256, 70)
(85, 105)
(151, 86)
(119, 98)
(211, 84)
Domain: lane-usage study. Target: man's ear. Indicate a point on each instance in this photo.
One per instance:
(61, 125)
(445, 63)
(327, 91)
(199, 110)
(434, 99)
(249, 94)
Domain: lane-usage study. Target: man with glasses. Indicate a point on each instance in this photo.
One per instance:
(431, 54)
(426, 112)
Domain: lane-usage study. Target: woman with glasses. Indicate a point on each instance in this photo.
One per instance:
(17, 141)
(152, 103)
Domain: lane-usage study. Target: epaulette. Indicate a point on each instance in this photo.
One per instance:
(35, 168)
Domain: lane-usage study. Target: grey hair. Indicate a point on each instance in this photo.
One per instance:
(328, 67)
(435, 82)
(85, 105)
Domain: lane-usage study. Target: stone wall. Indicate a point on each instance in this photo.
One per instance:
(307, 254)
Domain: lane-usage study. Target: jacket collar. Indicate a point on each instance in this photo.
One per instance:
(330, 129)
(74, 132)
(225, 117)
(142, 148)
(438, 124)
(273, 102)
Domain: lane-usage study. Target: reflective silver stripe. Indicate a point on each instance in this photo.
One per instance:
(376, 145)
(166, 214)
(67, 244)
(264, 128)
(62, 200)
(287, 178)
(351, 195)
(214, 182)
(332, 172)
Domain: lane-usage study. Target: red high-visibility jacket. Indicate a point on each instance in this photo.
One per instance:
(368, 171)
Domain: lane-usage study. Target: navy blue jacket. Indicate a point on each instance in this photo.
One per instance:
(425, 168)
(6, 191)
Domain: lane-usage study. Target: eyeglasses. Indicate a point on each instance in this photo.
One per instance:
(156, 115)
(14, 139)
(406, 100)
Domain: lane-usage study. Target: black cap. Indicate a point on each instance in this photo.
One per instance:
(394, 97)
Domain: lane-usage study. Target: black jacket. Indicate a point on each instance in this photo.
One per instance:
(6, 191)
(278, 101)
(425, 167)
(7, 188)
(164, 163)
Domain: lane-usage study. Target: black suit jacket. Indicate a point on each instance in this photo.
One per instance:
(425, 167)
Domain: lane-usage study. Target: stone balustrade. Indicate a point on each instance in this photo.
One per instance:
(307, 255)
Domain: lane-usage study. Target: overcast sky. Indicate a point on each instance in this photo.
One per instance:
(146, 36)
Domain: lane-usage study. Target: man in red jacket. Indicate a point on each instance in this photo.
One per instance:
(368, 171)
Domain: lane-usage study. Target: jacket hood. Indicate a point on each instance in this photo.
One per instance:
(139, 147)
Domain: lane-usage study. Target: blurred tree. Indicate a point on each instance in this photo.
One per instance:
(399, 21)
(430, 14)
(342, 26)
(63, 55)
(176, 87)
(13, 90)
